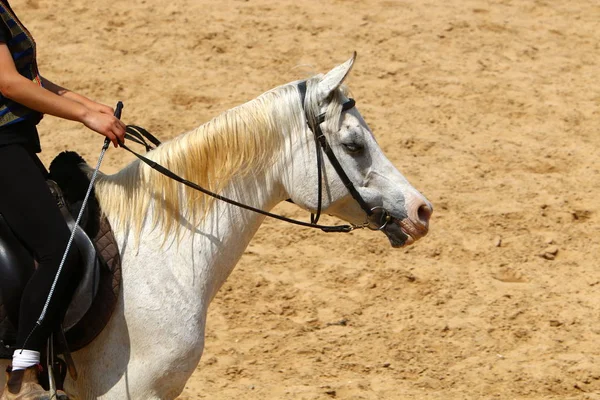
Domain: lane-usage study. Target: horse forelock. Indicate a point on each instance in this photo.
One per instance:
(244, 140)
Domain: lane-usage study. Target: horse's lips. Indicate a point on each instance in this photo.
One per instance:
(403, 232)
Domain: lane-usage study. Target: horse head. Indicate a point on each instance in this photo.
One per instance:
(383, 199)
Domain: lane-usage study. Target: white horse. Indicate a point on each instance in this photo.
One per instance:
(178, 246)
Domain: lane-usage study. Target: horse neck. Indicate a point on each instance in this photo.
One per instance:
(215, 245)
(254, 179)
(232, 228)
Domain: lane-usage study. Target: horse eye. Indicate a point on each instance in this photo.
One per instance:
(353, 147)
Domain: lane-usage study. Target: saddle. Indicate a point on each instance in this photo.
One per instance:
(96, 295)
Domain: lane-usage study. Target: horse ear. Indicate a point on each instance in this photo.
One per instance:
(334, 78)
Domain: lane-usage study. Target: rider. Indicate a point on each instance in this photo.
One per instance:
(25, 200)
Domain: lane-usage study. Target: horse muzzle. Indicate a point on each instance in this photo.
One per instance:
(400, 231)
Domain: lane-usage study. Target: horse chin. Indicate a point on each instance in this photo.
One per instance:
(395, 234)
(400, 233)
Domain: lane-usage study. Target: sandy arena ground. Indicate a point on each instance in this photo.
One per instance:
(490, 108)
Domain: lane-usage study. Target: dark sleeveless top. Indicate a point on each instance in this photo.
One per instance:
(17, 122)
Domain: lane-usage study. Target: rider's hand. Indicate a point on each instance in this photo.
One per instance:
(105, 124)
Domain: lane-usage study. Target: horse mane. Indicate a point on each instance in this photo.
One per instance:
(244, 140)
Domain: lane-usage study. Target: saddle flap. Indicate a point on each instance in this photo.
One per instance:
(90, 271)
(90, 277)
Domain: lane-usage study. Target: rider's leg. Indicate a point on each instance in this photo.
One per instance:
(31, 212)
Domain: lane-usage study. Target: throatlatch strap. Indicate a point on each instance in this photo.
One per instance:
(314, 218)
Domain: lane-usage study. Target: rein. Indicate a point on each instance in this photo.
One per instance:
(137, 135)
(154, 165)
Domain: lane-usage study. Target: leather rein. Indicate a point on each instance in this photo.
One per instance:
(137, 135)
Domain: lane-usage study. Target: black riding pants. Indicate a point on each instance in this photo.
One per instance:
(31, 212)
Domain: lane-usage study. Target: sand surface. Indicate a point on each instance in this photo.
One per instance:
(490, 108)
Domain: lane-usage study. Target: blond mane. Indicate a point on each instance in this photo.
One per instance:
(243, 140)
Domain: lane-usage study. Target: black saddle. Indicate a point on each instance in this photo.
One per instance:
(17, 264)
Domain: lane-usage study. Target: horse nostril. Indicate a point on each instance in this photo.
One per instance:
(424, 213)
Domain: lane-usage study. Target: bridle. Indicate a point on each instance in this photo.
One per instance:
(321, 144)
(137, 134)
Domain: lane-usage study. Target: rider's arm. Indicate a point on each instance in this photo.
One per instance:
(64, 92)
(23, 91)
